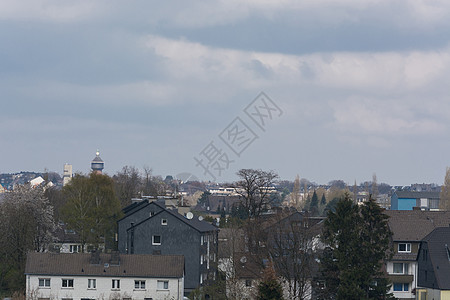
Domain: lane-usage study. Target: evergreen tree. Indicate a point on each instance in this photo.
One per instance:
(314, 205)
(323, 201)
(269, 288)
(357, 242)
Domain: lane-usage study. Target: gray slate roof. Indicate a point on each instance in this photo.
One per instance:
(416, 195)
(414, 225)
(437, 241)
(201, 226)
(131, 265)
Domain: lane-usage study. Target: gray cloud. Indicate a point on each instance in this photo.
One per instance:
(153, 83)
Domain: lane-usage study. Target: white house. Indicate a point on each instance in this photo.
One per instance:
(83, 276)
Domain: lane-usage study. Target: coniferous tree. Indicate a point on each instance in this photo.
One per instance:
(314, 205)
(323, 200)
(269, 288)
(357, 242)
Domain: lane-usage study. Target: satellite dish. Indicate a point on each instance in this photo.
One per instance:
(243, 259)
(200, 218)
(189, 215)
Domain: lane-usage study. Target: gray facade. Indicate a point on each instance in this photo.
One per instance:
(149, 228)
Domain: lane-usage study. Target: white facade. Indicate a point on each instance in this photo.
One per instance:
(98, 287)
(403, 268)
(67, 175)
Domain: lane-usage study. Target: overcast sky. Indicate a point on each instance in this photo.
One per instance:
(351, 88)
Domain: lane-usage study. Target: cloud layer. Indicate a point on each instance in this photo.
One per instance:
(363, 85)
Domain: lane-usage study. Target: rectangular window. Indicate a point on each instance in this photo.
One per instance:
(67, 283)
(139, 284)
(92, 283)
(201, 259)
(163, 221)
(404, 247)
(248, 282)
(115, 284)
(156, 240)
(401, 268)
(163, 285)
(74, 248)
(44, 282)
(401, 287)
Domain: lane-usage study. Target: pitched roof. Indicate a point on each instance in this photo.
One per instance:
(131, 265)
(414, 225)
(416, 195)
(201, 226)
(438, 248)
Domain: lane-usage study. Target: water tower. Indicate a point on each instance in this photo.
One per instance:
(97, 164)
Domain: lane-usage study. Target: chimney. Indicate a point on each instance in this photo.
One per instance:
(114, 259)
(95, 257)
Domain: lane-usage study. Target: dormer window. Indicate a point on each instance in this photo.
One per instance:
(163, 221)
(404, 247)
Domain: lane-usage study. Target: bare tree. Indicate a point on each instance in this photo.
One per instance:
(295, 196)
(374, 186)
(291, 248)
(255, 188)
(445, 192)
(128, 183)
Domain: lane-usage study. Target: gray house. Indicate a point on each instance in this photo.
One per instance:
(434, 265)
(150, 228)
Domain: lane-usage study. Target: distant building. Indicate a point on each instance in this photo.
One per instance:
(97, 164)
(67, 174)
(407, 200)
(103, 276)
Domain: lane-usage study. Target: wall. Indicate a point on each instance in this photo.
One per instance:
(139, 215)
(177, 238)
(103, 288)
(406, 203)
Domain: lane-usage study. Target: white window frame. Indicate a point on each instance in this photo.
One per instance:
(139, 285)
(403, 287)
(162, 285)
(74, 248)
(407, 247)
(68, 283)
(45, 283)
(115, 284)
(405, 268)
(92, 284)
(153, 239)
(164, 222)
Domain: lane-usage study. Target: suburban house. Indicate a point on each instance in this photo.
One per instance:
(67, 276)
(66, 240)
(149, 228)
(434, 265)
(407, 200)
(409, 227)
(293, 238)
